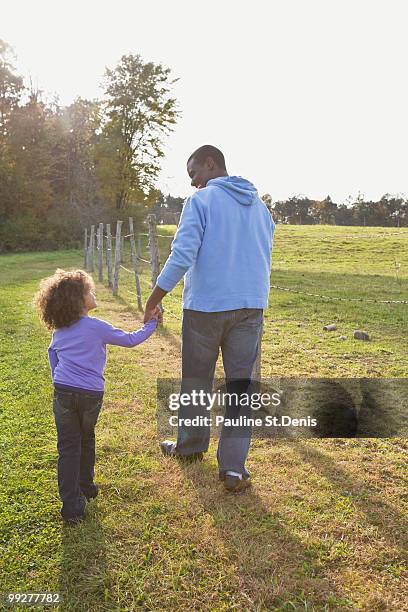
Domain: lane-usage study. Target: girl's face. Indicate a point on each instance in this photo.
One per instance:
(90, 300)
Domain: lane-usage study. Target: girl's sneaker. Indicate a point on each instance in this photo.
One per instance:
(75, 520)
(91, 492)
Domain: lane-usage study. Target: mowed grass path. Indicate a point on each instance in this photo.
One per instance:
(324, 527)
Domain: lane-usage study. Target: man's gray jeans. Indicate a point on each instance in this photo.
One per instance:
(237, 334)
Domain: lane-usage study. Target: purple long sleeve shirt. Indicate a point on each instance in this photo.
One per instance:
(77, 353)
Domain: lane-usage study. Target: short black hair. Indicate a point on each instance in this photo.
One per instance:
(205, 151)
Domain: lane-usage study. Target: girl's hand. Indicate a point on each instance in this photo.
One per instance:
(158, 315)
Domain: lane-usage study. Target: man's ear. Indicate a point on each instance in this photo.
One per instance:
(210, 163)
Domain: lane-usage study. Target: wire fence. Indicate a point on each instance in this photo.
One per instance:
(402, 232)
(338, 298)
(116, 253)
(138, 264)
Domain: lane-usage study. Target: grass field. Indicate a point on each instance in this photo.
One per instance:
(324, 527)
(351, 263)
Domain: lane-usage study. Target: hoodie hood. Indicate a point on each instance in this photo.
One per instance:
(243, 191)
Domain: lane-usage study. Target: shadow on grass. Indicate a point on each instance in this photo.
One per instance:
(273, 567)
(381, 514)
(85, 582)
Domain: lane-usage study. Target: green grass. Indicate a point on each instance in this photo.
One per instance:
(316, 259)
(324, 527)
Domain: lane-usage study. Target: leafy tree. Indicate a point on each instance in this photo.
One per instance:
(168, 208)
(295, 210)
(11, 90)
(395, 209)
(344, 215)
(11, 87)
(81, 122)
(30, 138)
(140, 111)
(267, 200)
(324, 211)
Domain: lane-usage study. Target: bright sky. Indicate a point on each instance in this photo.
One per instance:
(302, 96)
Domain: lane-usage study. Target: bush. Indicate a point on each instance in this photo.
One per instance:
(62, 228)
(30, 234)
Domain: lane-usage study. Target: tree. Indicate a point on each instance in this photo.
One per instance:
(29, 141)
(11, 90)
(11, 87)
(267, 200)
(344, 215)
(361, 209)
(396, 210)
(81, 121)
(295, 210)
(324, 211)
(140, 111)
(167, 208)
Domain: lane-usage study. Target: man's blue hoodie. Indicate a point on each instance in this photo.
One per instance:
(223, 246)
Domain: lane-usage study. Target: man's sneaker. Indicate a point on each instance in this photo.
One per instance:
(168, 448)
(235, 484)
(91, 493)
(222, 474)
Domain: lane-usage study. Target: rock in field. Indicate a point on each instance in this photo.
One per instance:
(361, 335)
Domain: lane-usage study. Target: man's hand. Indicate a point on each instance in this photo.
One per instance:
(153, 313)
(152, 309)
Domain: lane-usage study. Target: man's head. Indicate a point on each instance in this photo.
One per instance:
(204, 164)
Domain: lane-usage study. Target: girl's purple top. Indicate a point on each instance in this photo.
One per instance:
(77, 353)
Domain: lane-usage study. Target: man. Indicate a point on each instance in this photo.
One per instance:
(223, 247)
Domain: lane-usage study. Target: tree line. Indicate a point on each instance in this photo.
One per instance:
(389, 211)
(64, 167)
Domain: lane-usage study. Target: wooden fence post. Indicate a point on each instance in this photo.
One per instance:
(135, 265)
(154, 252)
(86, 248)
(139, 247)
(153, 249)
(100, 252)
(117, 258)
(109, 253)
(91, 249)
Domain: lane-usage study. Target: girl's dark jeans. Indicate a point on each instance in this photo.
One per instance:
(75, 416)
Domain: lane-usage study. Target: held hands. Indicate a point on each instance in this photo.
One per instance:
(152, 310)
(153, 313)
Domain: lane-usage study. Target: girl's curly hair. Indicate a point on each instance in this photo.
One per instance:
(61, 297)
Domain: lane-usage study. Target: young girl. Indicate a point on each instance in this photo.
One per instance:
(77, 356)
